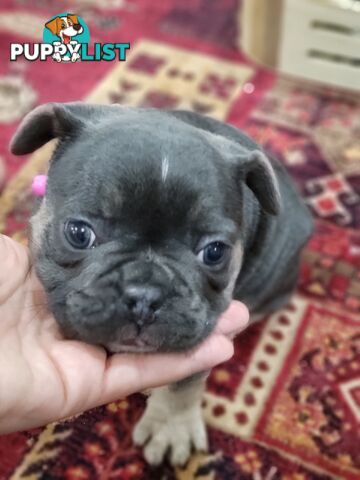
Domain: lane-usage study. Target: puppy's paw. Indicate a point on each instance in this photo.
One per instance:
(75, 57)
(177, 434)
(57, 57)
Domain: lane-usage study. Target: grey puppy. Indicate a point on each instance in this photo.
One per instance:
(152, 222)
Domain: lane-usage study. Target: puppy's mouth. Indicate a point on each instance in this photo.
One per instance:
(136, 345)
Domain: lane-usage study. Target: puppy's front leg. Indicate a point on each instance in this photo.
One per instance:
(173, 421)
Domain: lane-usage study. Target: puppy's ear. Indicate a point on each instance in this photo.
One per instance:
(54, 25)
(46, 122)
(251, 165)
(255, 169)
(73, 18)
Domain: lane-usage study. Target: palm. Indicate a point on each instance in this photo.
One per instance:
(54, 372)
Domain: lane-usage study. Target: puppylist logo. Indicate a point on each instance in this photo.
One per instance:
(66, 38)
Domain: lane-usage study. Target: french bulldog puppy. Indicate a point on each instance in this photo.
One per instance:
(152, 222)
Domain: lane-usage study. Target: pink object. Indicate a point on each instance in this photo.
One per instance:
(38, 186)
(2, 173)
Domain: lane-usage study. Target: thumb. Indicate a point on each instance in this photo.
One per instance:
(144, 371)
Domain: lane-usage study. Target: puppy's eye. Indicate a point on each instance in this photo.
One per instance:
(214, 253)
(79, 234)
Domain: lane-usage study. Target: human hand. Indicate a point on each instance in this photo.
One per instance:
(44, 377)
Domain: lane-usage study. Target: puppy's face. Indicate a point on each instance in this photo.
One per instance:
(138, 240)
(65, 27)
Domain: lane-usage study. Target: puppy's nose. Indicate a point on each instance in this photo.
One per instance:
(77, 26)
(143, 301)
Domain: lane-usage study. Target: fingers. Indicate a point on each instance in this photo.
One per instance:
(15, 266)
(234, 320)
(140, 372)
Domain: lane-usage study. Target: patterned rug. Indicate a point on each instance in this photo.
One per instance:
(287, 405)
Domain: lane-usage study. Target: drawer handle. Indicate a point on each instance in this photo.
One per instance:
(335, 28)
(334, 57)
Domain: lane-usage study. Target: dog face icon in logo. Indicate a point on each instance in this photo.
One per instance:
(66, 27)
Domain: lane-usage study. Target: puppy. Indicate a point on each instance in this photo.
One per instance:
(66, 28)
(151, 223)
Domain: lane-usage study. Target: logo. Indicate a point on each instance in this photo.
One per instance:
(66, 32)
(66, 38)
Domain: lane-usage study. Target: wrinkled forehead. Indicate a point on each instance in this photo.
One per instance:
(139, 175)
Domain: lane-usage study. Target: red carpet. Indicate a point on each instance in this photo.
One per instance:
(287, 406)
